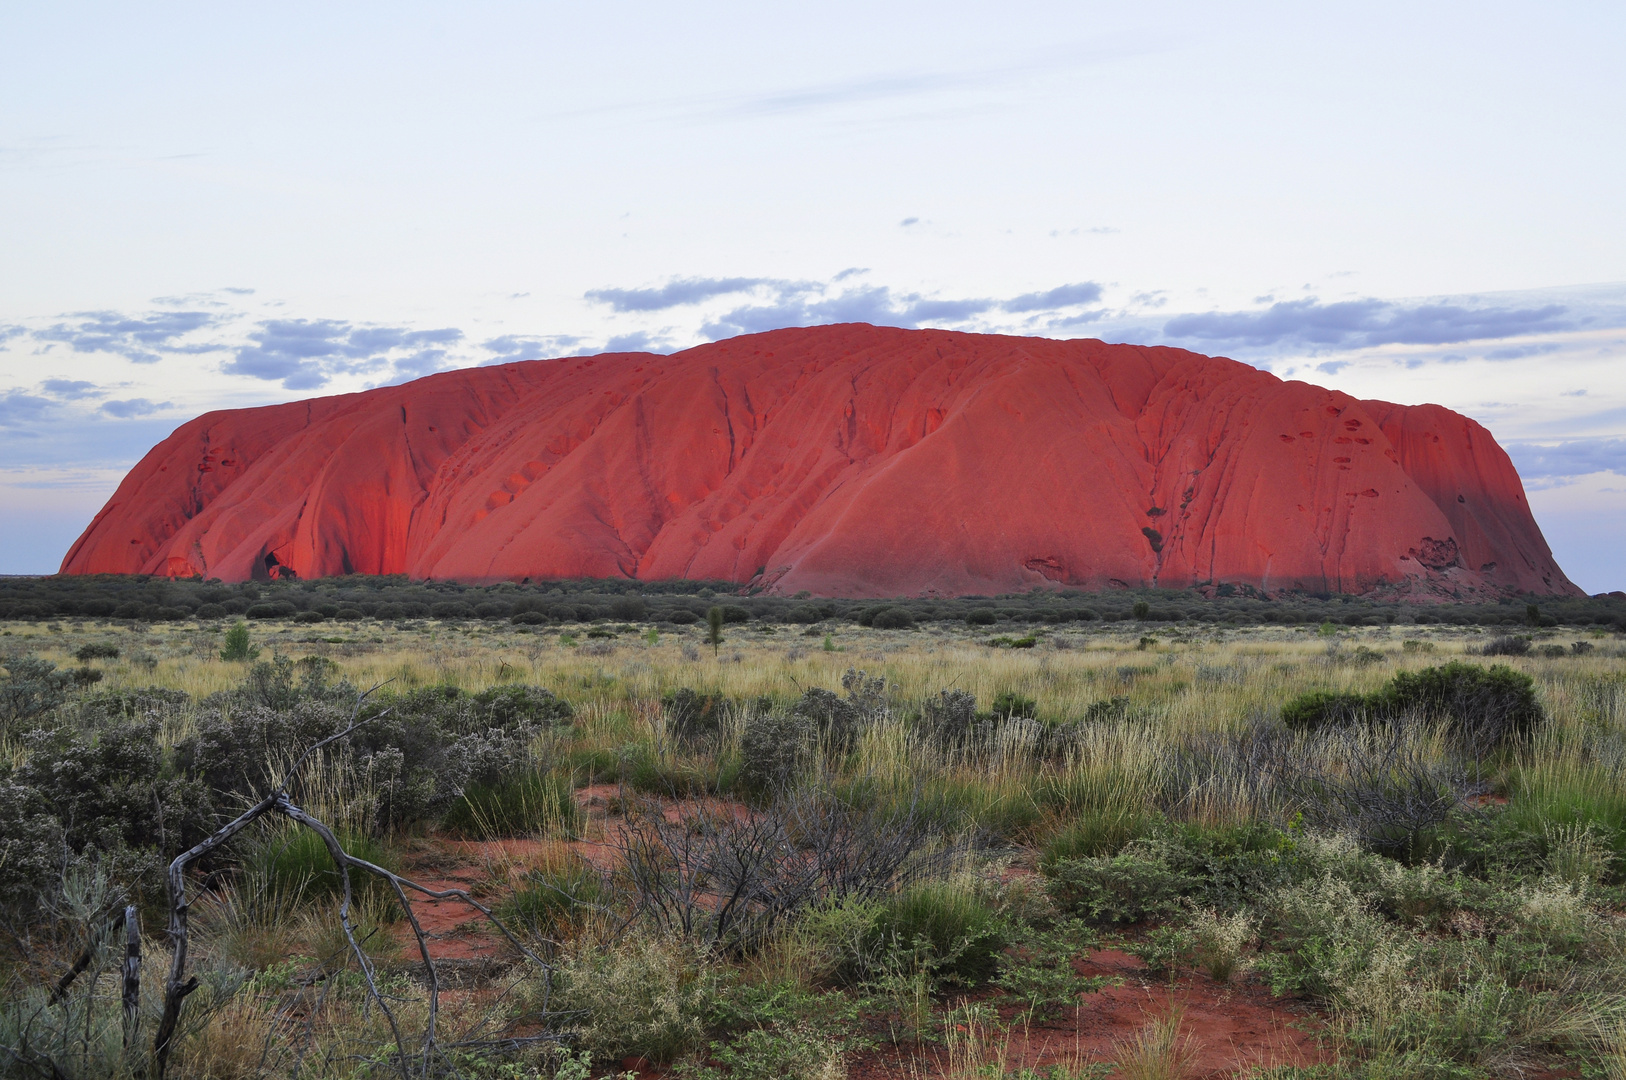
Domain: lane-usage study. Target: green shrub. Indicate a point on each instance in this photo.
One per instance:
(31, 688)
(96, 650)
(526, 805)
(1323, 708)
(691, 717)
(237, 645)
(1097, 831)
(775, 749)
(1324, 937)
(1485, 706)
(893, 618)
(946, 925)
(1122, 888)
(981, 616)
(644, 997)
(293, 861)
(512, 707)
(1008, 703)
(1508, 645)
(547, 897)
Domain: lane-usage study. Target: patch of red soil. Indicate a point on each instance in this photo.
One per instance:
(1234, 1027)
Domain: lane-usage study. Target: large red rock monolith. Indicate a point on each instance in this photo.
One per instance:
(842, 460)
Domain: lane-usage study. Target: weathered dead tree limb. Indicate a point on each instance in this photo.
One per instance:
(131, 998)
(278, 802)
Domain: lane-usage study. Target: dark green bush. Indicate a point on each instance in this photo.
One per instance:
(628, 608)
(281, 609)
(97, 650)
(1123, 888)
(451, 609)
(692, 718)
(1322, 708)
(1484, 706)
(1097, 832)
(893, 618)
(1509, 645)
(524, 805)
(546, 897)
(953, 933)
(295, 862)
(31, 688)
(511, 707)
(982, 616)
(1008, 703)
(775, 749)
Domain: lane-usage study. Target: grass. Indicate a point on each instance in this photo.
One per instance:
(1161, 1050)
(294, 862)
(1417, 967)
(533, 804)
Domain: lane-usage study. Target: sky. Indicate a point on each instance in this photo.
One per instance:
(209, 206)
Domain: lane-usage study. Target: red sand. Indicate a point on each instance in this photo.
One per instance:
(842, 460)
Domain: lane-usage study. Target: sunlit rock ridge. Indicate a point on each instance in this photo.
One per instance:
(850, 460)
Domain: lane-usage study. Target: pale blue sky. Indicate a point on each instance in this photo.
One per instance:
(216, 205)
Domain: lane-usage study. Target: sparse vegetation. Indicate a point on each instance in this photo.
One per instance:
(786, 859)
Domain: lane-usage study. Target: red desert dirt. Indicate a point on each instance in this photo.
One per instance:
(850, 460)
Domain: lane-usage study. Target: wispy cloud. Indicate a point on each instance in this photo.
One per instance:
(513, 347)
(677, 293)
(1571, 457)
(305, 354)
(70, 389)
(18, 408)
(778, 302)
(1354, 324)
(139, 338)
(130, 407)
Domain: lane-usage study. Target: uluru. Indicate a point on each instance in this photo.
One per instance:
(848, 460)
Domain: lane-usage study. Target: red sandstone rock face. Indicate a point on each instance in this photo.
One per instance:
(843, 460)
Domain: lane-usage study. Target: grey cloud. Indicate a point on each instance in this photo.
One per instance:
(1519, 352)
(813, 304)
(1364, 323)
(17, 408)
(1083, 318)
(906, 222)
(512, 347)
(676, 293)
(1572, 457)
(135, 338)
(637, 341)
(70, 389)
(303, 354)
(421, 363)
(1085, 292)
(130, 407)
